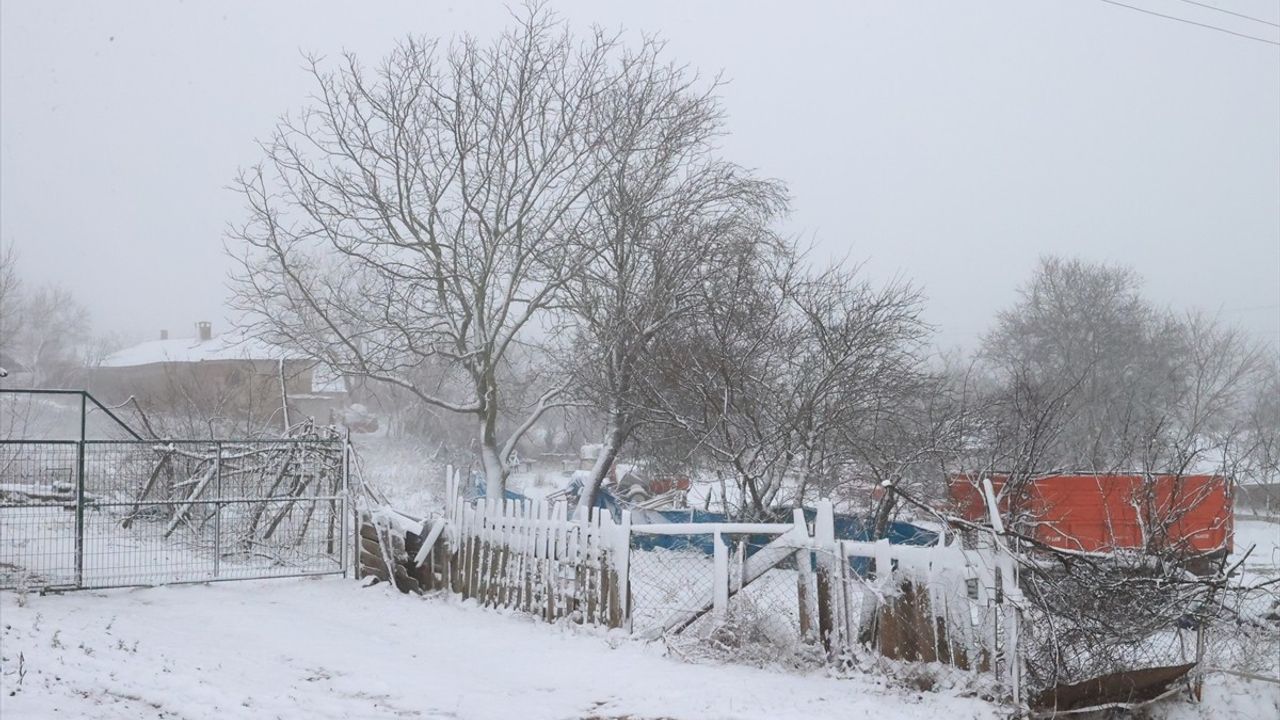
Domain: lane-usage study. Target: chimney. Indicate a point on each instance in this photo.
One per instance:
(205, 330)
(164, 334)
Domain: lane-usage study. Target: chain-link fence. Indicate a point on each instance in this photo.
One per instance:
(669, 576)
(767, 617)
(92, 513)
(1243, 636)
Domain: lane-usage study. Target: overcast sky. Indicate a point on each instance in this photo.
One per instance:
(950, 143)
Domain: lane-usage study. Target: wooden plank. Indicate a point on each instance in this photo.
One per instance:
(372, 562)
(437, 527)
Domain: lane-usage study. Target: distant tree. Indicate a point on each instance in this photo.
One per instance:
(1089, 376)
(1083, 345)
(10, 298)
(52, 337)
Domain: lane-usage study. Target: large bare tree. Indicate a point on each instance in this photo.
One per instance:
(433, 208)
(668, 214)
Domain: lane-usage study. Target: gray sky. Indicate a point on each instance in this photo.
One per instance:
(949, 143)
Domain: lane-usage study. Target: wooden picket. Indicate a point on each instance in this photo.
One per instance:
(533, 557)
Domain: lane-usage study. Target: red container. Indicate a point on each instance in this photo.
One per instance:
(1100, 513)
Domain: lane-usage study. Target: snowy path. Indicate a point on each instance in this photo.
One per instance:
(325, 648)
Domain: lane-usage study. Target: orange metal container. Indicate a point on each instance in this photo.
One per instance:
(1191, 514)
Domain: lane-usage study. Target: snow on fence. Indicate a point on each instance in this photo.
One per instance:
(793, 585)
(794, 592)
(116, 513)
(518, 555)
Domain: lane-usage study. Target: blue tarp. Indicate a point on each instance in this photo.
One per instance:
(477, 490)
(847, 527)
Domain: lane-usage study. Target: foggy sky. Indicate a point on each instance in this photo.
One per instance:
(947, 143)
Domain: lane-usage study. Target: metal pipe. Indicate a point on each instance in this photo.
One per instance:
(217, 511)
(80, 495)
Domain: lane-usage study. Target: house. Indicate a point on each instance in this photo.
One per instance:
(206, 376)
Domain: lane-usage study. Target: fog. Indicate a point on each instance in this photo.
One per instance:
(949, 146)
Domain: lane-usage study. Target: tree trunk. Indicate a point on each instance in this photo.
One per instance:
(494, 470)
(615, 436)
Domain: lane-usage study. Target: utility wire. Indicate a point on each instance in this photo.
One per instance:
(1192, 22)
(1230, 12)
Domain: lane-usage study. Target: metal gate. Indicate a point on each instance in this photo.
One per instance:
(115, 513)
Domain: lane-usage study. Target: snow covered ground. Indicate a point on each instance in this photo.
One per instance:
(327, 648)
(1263, 561)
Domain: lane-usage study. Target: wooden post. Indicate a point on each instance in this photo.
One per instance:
(824, 539)
(622, 567)
(804, 577)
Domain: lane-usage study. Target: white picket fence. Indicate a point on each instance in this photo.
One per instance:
(533, 557)
(940, 603)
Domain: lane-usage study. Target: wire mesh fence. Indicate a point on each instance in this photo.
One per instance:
(667, 579)
(84, 514)
(1243, 636)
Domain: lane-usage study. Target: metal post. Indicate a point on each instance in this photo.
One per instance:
(217, 511)
(80, 495)
(344, 506)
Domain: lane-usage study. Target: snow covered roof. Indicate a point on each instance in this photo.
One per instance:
(231, 346)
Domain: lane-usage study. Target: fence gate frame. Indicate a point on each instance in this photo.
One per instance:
(79, 501)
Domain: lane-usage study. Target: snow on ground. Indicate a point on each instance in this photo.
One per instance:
(326, 648)
(1225, 697)
(1263, 562)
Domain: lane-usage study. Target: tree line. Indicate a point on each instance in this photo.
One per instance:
(544, 226)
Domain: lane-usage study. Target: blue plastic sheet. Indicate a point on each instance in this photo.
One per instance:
(847, 527)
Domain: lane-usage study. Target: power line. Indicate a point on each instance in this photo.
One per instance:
(1231, 12)
(1192, 22)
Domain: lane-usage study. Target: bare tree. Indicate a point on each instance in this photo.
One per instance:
(10, 297)
(1084, 345)
(783, 368)
(52, 336)
(433, 208)
(667, 214)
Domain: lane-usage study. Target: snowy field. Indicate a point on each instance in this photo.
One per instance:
(327, 648)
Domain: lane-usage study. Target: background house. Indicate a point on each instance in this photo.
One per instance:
(229, 380)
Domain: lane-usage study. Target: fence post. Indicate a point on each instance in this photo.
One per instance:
(80, 493)
(1197, 683)
(622, 566)
(824, 538)
(352, 510)
(217, 509)
(343, 504)
(804, 576)
(1013, 656)
(720, 577)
